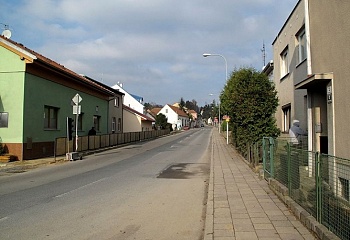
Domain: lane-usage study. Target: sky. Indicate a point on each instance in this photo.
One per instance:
(153, 47)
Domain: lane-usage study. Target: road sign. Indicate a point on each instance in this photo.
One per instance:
(76, 99)
(77, 109)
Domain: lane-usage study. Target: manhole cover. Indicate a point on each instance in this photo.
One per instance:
(185, 171)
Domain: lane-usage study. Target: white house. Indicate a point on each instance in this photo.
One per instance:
(130, 100)
(175, 116)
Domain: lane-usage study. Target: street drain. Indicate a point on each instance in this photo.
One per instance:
(185, 171)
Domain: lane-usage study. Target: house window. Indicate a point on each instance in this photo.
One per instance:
(4, 117)
(114, 122)
(301, 38)
(96, 120)
(50, 117)
(344, 188)
(166, 110)
(284, 63)
(286, 118)
(119, 124)
(116, 102)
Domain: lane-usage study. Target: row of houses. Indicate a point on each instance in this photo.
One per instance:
(38, 95)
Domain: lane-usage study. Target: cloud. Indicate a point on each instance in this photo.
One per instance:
(154, 47)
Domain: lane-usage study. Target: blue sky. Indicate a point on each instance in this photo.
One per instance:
(153, 47)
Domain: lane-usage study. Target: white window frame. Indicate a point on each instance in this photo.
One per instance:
(284, 62)
(116, 102)
(286, 114)
(114, 123)
(301, 38)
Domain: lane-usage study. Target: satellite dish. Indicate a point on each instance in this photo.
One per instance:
(6, 33)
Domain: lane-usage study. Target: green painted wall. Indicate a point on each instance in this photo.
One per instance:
(11, 95)
(40, 92)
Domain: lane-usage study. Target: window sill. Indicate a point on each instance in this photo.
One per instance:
(300, 63)
(284, 77)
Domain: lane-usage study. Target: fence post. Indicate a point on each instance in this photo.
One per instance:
(318, 180)
(264, 154)
(289, 169)
(272, 164)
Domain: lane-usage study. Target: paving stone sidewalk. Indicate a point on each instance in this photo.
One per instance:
(241, 205)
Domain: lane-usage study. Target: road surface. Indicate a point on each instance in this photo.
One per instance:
(149, 190)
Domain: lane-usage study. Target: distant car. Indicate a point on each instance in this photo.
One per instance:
(186, 127)
(202, 125)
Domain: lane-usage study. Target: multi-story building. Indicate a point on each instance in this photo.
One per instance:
(311, 73)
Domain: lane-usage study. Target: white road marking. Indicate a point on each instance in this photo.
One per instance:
(89, 184)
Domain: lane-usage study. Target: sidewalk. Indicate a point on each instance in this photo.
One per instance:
(241, 205)
(23, 166)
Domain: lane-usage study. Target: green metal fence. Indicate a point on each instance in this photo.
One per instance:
(317, 182)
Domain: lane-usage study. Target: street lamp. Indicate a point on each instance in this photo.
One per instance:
(218, 55)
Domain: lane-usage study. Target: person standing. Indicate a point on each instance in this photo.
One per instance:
(92, 131)
(295, 132)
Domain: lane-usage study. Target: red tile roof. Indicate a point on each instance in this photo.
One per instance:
(143, 116)
(46, 61)
(178, 111)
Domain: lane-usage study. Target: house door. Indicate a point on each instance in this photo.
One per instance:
(319, 119)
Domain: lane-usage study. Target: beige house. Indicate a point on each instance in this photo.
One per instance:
(311, 73)
(134, 121)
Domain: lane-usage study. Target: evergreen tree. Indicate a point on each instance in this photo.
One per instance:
(161, 121)
(182, 103)
(250, 99)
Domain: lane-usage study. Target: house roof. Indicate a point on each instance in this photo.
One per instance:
(143, 116)
(33, 57)
(154, 111)
(105, 86)
(138, 98)
(178, 111)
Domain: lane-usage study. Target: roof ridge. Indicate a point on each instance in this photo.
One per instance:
(55, 64)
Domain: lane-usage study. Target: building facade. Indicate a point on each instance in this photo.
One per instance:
(311, 73)
(36, 98)
(175, 116)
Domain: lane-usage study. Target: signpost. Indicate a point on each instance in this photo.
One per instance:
(76, 110)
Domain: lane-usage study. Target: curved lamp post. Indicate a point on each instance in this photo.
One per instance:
(218, 55)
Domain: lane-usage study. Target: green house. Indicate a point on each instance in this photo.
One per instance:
(36, 98)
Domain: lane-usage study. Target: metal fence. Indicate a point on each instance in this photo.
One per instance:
(86, 143)
(317, 182)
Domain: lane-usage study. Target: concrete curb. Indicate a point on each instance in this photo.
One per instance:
(301, 214)
(209, 220)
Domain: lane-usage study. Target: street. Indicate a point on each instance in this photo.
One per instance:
(148, 190)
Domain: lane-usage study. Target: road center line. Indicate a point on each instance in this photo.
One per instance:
(84, 186)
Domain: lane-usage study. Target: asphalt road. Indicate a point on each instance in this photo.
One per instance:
(149, 190)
